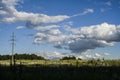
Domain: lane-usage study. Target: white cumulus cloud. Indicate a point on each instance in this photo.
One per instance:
(10, 14)
(52, 55)
(81, 39)
(77, 40)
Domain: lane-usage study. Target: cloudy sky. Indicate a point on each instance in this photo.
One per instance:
(56, 28)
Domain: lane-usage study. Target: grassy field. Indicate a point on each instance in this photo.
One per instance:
(43, 62)
(64, 62)
(60, 70)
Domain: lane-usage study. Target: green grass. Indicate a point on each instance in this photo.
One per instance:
(60, 70)
(43, 62)
(65, 62)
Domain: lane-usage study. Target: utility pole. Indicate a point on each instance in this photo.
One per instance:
(12, 40)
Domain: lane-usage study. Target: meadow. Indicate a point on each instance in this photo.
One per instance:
(64, 62)
(60, 70)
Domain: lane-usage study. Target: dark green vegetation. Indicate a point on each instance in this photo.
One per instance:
(22, 56)
(55, 70)
(63, 72)
(69, 58)
(68, 68)
(32, 57)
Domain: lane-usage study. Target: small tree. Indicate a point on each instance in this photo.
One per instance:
(69, 58)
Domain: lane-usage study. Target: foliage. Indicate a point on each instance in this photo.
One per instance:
(21, 57)
(64, 72)
(69, 58)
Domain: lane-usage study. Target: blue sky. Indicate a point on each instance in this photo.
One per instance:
(84, 28)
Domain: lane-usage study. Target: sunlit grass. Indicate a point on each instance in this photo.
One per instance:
(65, 62)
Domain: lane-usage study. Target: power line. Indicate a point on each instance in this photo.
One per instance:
(12, 40)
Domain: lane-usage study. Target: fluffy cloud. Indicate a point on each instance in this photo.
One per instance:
(82, 45)
(81, 39)
(7, 7)
(94, 36)
(57, 55)
(52, 55)
(77, 40)
(55, 38)
(104, 31)
(12, 15)
(34, 18)
(96, 56)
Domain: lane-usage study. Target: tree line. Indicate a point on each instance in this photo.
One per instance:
(22, 56)
(32, 57)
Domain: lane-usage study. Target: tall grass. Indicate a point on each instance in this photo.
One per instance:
(62, 72)
(65, 62)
